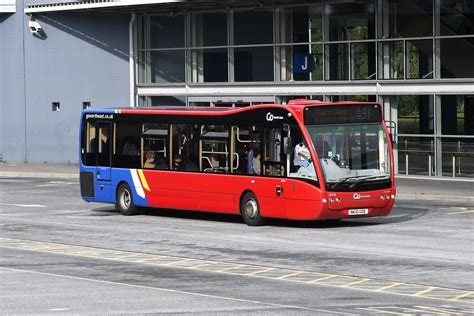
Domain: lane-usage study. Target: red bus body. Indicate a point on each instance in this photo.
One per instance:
(222, 192)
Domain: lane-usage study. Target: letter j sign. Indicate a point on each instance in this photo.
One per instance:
(303, 63)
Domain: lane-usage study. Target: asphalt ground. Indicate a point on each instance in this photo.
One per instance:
(60, 255)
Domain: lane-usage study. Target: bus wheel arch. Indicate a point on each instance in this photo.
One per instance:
(124, 200)
(250, 209)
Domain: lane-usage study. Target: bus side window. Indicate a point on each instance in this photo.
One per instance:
(127, 145)
(156, 146)
(247, 147)
(185, 147)
(214, 148)
(90, 150)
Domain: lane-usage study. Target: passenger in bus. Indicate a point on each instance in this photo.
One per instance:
(149, 160)
(160, 162)
(215, 163)
(178, 162)
(190, 164)
(256, 163)
(130, 148)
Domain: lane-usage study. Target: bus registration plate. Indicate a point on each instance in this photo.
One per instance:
(359, 211)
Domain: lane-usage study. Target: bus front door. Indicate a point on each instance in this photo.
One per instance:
(103, 187)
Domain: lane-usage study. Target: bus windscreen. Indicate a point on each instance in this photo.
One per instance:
(342, 113)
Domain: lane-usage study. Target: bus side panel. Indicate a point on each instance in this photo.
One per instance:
(303, 200)
(190, 191)
(212, 192)
(133, 178)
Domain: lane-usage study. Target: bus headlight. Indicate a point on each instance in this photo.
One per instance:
(382, 197)
(331, 200)
(324, 200)
(338, 199)
(393, 196)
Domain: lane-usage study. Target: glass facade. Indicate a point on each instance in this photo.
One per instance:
(353, 43)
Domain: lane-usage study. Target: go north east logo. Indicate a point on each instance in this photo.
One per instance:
(271, 117)
(358, 196)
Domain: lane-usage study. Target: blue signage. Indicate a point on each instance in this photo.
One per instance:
(303, 63)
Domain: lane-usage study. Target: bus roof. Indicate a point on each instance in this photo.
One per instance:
(296, 105)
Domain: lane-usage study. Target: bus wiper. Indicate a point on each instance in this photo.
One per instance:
(343, 181)
(358, 180)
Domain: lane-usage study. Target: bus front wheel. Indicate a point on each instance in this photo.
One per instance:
(124, 201)
(250, 210)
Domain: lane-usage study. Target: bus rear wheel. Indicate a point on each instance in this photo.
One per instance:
(124, 201)
(250, 210)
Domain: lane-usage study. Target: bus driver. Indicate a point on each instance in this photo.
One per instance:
(302, 158)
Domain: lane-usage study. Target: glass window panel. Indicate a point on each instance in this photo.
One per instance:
(167, 101)
(209, 29)
(458, 157)
(363, 61)
(253, 27)
(403, 18)
(420, 59)
(167, 66)
(415, 114)
(301, 62)
(142, 31)
(457, 114)
(457, 57)
(209, 65)
(337, 56)
(357, 98)
(351, 21)
(392, 62)
(301, 24)
(166, 31)
(456, 17)
(253, 64)
(416, 155)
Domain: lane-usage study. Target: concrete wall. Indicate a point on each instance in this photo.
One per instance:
(77, 58)
(12, 105)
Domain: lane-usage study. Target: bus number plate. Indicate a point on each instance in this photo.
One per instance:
(359, 211)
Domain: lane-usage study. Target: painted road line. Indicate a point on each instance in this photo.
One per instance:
(289, 275)
(247, 270)
(424, 291)
(355, 283)
(461, 212)
(24, 205)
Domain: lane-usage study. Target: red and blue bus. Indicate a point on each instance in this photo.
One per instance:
(306, 160)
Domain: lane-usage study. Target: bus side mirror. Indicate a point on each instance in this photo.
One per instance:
(287, 145)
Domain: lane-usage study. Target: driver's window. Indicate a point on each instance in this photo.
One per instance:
(301, 163)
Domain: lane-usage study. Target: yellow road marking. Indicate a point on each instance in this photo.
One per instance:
(322, 279)
(288, 275)
(461, 212)
(232, 268)
(248, 270)
(459, 297)
(355, 282)
(261, 271)
(425, 291)
(388, 287)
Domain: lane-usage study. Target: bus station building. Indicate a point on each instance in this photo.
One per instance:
(414, 57)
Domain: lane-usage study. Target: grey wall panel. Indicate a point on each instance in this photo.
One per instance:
(78, 57)
(12, 106)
